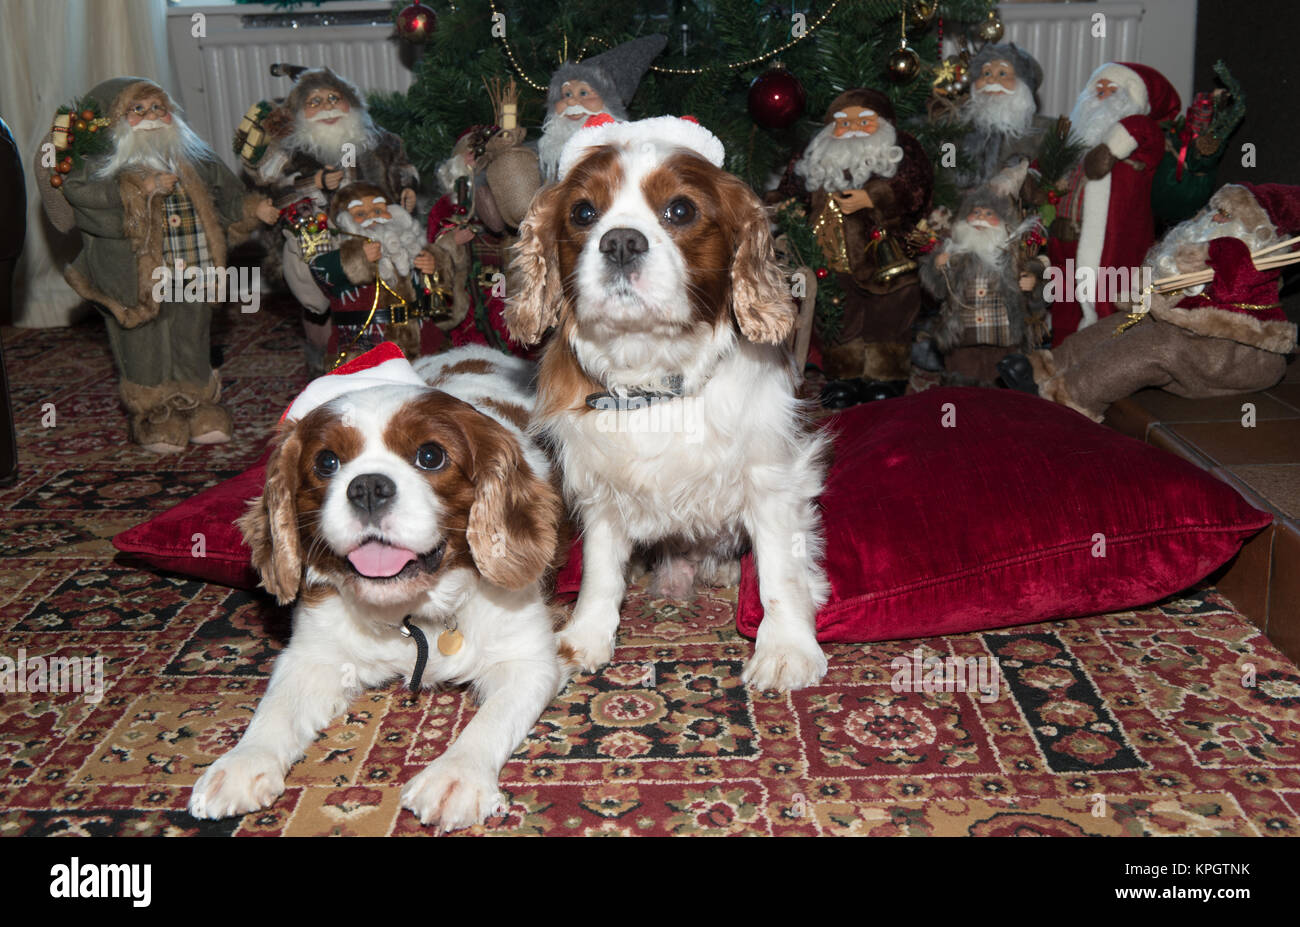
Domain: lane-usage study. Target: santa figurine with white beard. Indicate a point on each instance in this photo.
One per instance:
(371, 279)
(862, 180)
(320, 139)
(581, 89)
(1105, 220)
(158, 199)
(990, 294)
(1001, 112)
(1226, 337)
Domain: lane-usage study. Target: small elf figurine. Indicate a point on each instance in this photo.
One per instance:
(378, 279)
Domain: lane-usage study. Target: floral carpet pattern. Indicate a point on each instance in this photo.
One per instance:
(1180, 718)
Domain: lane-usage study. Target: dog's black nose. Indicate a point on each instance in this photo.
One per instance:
(370, 493)
(623, 246)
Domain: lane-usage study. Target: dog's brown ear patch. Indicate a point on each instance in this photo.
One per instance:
(760, 296)
(514, 522)
(270, 526)
(535, 291)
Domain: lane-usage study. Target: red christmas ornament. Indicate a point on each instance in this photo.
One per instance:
(56, 180)
(417, 23)
(822, 273)
(776, 98)
(877, 234)
(1053, 197)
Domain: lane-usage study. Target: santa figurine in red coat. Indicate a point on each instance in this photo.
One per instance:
(1220, 338)
(1104, 220)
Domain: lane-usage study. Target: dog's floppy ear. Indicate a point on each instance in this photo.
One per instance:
(514, 522)
(760, 297)
(536, 292)
(270, 526)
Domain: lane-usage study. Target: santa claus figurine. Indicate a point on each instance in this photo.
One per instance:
(1001, 112)
(1230, 336)
(990, 294)
(580, 89)
(157, 201)
(373, 279)
(319, 139)
(865, 184)
(1105, 219)
(489, 179)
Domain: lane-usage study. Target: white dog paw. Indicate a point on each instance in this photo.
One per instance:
(451, 793)
(239, 782)
(790, 663)
(587, 645)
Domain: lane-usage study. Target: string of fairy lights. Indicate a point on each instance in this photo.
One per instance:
(676, 72)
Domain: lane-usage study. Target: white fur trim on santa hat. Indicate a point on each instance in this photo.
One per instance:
(1127, 78)
(1120, 142)
(395, 371)
(663, 133)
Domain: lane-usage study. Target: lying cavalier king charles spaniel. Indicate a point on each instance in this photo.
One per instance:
(401, 501)
(666, 390)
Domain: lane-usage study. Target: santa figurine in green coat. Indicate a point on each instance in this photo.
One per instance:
(155, 207)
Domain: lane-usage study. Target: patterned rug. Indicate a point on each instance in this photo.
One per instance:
(1176, 719)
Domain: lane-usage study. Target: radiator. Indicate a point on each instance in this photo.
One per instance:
(224, 72)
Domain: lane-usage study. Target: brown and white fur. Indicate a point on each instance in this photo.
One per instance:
(696, 293)
(482, 526)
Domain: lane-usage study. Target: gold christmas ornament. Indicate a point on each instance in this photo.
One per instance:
(922, 12)
(904, 64)
(952, 77)
(990, 31)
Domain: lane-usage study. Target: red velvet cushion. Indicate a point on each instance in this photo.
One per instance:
(166, 540)
(936, 530)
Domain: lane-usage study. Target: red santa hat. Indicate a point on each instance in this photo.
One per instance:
(1281, 202)
(385, 365)
(662, 133)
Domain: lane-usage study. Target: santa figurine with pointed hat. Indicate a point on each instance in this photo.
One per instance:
(604, 83)
(1104, 220)
(1221, 338)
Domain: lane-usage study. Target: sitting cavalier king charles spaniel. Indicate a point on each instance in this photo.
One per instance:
(401, 516)
(666, 389)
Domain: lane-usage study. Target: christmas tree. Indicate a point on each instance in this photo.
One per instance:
(716, 49)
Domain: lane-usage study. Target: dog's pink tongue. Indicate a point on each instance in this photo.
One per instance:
(376, 559)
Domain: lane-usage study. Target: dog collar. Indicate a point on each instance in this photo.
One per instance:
(639, 397)
(449, 642)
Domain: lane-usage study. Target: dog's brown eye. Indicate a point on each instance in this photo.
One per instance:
(430, 457)
(583, 213)
(326, 464)
(679, 211)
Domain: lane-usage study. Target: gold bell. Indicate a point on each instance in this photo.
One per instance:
(891, 261)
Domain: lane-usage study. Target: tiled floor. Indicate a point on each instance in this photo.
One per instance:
(1252, 442)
